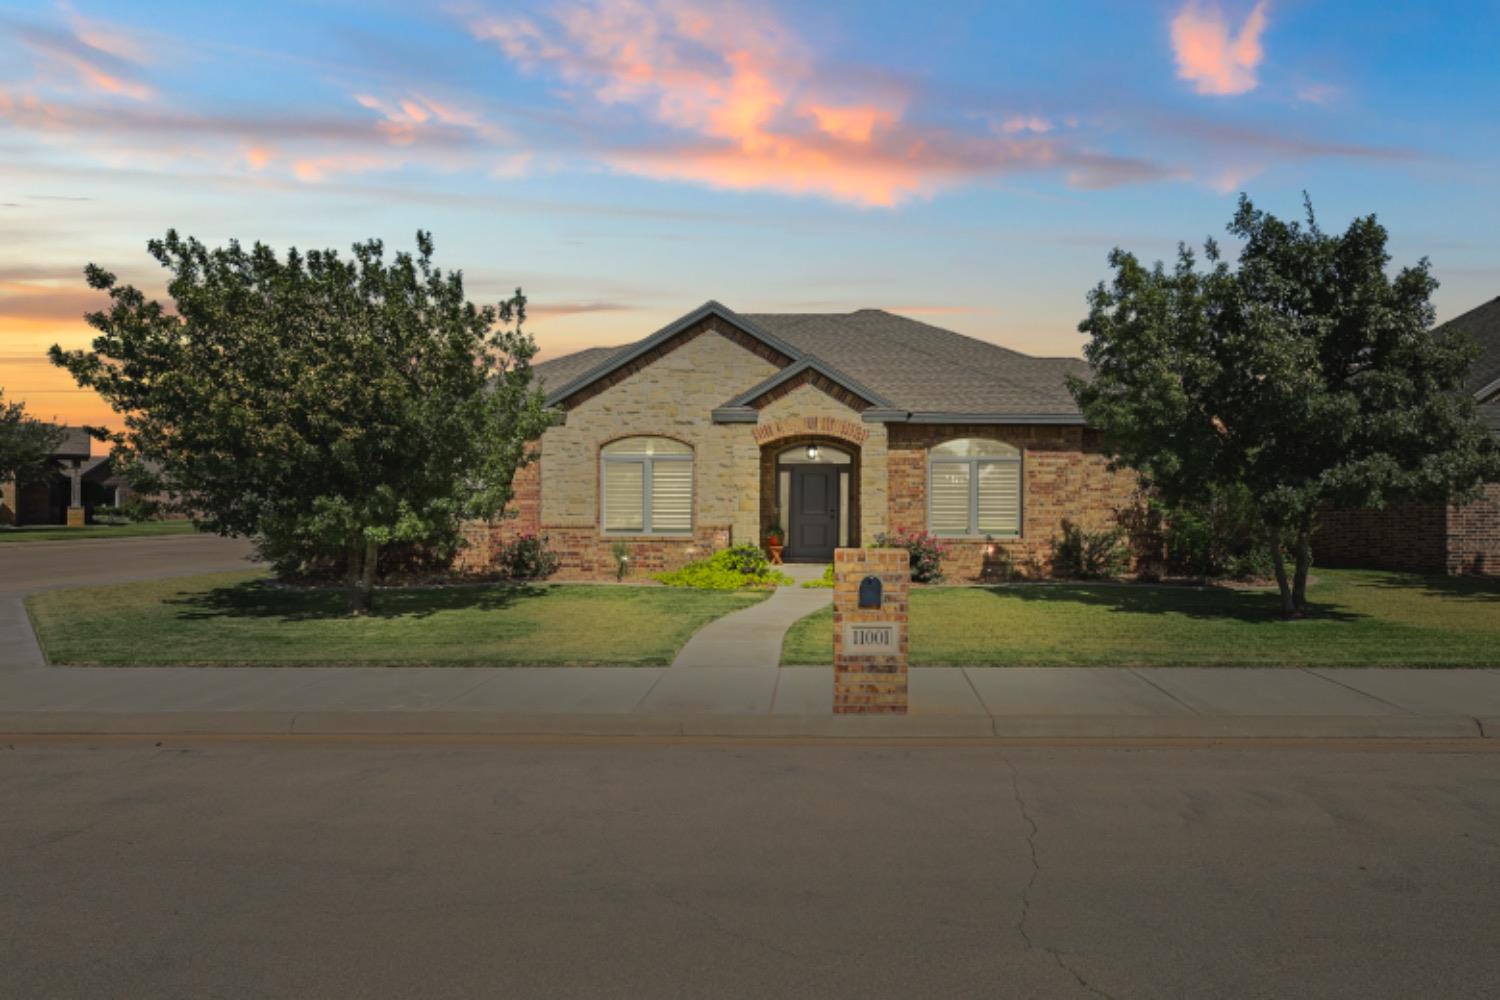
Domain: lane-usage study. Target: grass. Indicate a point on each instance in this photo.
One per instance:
(57, 533)
(239, 619)
(1358, 618)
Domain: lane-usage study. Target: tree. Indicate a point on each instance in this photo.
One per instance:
(26, 444)
(1306, 374)
(326, 406)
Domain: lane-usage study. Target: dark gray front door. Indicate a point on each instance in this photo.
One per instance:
(814, 517)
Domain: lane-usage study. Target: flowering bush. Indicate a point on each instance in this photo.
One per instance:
(925, 550)
(527, 557)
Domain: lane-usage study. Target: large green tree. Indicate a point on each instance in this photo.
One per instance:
(26, 443)
(1306, 372)
(327, 406)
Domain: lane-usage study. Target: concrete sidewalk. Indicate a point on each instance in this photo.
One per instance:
(745, 701)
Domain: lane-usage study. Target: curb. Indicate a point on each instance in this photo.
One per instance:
(828, 726)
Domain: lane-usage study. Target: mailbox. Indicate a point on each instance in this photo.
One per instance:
(869, 592)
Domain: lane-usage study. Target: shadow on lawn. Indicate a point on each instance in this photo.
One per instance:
(257, 599)
(1463, 588)
(1205, 603)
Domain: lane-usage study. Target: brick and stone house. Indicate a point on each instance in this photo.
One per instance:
(1432, 537)
(59, 497)
(829, 428)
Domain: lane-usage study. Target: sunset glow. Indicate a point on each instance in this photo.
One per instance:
(624, 160)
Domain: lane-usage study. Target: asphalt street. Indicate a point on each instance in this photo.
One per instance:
(42, 565)
(636, 868)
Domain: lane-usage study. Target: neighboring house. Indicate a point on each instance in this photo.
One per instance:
(832, 428)
(1432, 537)
(50, 500)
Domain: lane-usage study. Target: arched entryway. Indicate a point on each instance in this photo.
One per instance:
(813, 490)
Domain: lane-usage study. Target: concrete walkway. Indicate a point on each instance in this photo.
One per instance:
(752, 637)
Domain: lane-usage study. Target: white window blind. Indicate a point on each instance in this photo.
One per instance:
(949, 501)
(624, 496)
(647, 486)
(999, 498)
(974, 488)
(672, 497)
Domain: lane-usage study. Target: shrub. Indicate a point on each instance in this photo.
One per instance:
(527, 557)
(998, 566)
(621, 552)
(826, 580)
(140, 508)
(746, 559)
(1089, 555)
(736, 568)
(1217, 536)
(925, 550)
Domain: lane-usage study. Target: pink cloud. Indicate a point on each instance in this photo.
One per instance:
(751, 107)
(1214, 58)
(102, 58)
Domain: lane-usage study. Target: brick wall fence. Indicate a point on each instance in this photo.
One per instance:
(1411, 537)
(1474, 534)
(1415, 538)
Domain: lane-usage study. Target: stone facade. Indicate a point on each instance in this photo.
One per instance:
(673, 394)
(1064, 474)
(1415, 538)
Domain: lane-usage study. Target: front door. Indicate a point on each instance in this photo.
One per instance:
(814, 517)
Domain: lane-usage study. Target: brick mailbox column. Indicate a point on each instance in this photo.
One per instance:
(869, 643)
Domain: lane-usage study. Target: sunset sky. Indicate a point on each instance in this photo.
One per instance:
(965, 163)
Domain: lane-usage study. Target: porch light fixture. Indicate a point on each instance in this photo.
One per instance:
(812, 453)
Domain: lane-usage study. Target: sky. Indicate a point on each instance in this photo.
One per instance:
(622, 161)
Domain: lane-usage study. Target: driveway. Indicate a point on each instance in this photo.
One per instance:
(44, 565)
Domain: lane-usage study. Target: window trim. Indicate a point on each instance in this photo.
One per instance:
(647, 462)
(974, 462)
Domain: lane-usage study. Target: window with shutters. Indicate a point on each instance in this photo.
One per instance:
(974, 488)
(646, 487)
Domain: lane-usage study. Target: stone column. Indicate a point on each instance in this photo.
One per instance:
(75, 502)
(869, 641)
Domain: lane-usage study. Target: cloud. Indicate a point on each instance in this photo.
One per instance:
(1026, 123)
(1215, 59)
(746, 108)
(403, 130)
(103, 58)
(542, 310)
(1319, 93)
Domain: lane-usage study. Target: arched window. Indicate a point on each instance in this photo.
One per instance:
(647, 486)
(974, 488)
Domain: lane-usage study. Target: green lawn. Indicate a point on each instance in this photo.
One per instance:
(54, 533)
(1360, 618)
(228, 619)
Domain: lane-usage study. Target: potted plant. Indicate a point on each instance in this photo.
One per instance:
(774, 545)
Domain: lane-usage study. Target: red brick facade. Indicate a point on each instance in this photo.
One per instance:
(1064, 474)
(1416, 538)
(866, 684)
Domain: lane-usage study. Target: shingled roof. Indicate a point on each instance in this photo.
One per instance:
(1483, 324)
(908, 370)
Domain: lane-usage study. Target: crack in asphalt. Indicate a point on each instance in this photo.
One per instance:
(1036, 871)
